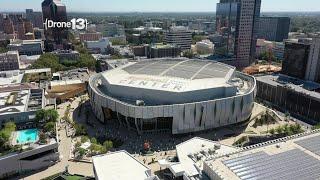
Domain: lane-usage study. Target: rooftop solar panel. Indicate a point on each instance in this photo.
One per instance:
(286, 165)
(312, 144)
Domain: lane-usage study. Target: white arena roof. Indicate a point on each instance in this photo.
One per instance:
(174, 75)
(119, 165)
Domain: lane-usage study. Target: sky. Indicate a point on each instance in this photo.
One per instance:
(156, 5)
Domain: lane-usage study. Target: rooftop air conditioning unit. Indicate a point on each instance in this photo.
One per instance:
(140, 103)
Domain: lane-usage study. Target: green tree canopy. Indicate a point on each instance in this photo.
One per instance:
(48, 60)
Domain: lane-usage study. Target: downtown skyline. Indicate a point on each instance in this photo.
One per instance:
(159, 6)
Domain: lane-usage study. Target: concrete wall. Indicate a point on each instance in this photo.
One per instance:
(13, 163)
(189, 117)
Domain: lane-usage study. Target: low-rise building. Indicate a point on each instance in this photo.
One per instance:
(36, 157)
(293, 157)
(27, 47)
(157, 51)
(98, 47)
(67, 55)
(205, 47)
(68, 84)
(96, 36)
(191, 156)
(9, 61)
(120, 165)
(180, 36)
(19, 103)
(299, 97)
(37, 75)
(10, 77)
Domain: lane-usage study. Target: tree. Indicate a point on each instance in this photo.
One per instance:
(40, 116)
(5, 134)
(10, 126)
(3, 50)
(81, 152)
(279, 130)
(48, 60)
(84, 139)
(188, 54)
(93, 140)
(42, 138)
(86, 60)
(80, 130)
(52, 115)
(108, 145)
(50, 127)
(43, 116)
(272, 131)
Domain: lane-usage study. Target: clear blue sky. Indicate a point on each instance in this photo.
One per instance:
(157, 5)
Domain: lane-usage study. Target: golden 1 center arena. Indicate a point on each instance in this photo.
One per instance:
(176, 95)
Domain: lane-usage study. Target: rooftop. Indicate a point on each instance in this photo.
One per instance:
(10, 77)
(32, 71)
(193, 152)
(119, 165)
(298, 85)
(296, 157)
(178, 75)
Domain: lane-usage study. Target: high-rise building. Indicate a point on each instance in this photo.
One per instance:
(9, 61)
(56, 11)
(15, 17)
(273, 28)
(1, 21)
(35, 18)
(313, 66)
(21, 31)
(236, 21)
(25, 30)
(179, 36)
(8, 27)
(296, 57)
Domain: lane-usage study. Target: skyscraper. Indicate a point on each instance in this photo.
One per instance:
(54, 10)
(179, 36)
(35, 18)
(313, 66)
(236, 22)
(296, 57)
(273, 28)
(8, 27)
(1, 22)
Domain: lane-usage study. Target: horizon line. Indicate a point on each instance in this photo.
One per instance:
(10, 11)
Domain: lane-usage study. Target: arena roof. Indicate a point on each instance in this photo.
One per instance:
(172, 75)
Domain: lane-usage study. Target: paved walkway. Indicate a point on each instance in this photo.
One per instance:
(64, 149)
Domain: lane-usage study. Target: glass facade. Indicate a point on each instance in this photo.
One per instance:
(227, 24)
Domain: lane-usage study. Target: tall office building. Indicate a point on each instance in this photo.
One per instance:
(25, 30)
(1, 21)
(179, 36)
(35, 18)
(54, 10)
(273, 28)
(313, 65)
(21, 31)
(236, 22)
(296, 57)
(8, 27)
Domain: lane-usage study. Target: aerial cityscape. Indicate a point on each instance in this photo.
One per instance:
(163, 90)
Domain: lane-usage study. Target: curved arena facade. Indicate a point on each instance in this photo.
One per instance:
(176, 95)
